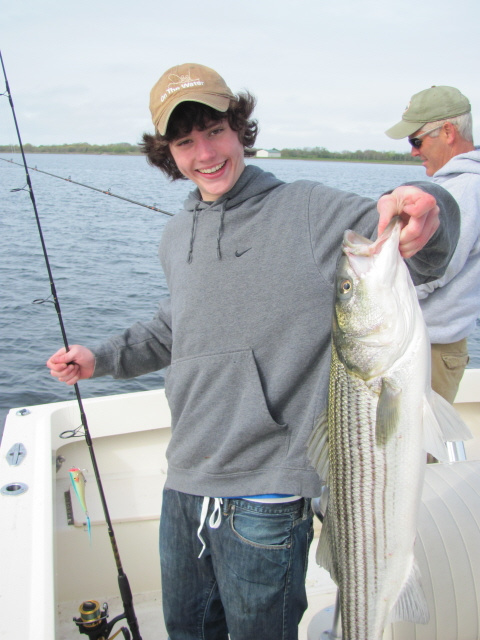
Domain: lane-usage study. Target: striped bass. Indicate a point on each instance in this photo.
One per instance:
(370, 445)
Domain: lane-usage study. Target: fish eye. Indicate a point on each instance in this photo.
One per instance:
(345, 286)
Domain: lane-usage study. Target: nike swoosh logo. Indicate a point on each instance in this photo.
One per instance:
(240, 253)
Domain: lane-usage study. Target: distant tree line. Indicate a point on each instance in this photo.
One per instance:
(320, 153)
(308, 153)
(118, 148)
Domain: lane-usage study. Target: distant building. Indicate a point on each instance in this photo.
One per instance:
(268, 153)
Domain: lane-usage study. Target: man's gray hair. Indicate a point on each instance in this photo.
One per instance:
(463, 124)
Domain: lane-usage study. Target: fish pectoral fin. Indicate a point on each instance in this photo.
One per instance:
(411, 604)
(388, 411)
(317, 444)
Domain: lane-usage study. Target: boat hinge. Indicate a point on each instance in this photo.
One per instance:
(16, 454)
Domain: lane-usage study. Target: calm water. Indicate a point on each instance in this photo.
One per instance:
(103, 254)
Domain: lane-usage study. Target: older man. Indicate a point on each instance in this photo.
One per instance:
(438, 124)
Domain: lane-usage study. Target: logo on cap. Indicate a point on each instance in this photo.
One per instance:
(180, 82)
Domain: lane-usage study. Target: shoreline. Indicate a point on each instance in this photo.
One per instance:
(139, 153)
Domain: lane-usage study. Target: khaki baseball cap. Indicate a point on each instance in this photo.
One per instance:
(187, 82)
(430, 105)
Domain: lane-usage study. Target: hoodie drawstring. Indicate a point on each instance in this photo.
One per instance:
(196, 214)
(192, 236)
(220, 229)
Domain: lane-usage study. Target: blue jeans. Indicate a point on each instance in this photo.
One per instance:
(250, 579)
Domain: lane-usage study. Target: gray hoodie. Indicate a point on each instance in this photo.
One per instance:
(451, 304)
(246, 329)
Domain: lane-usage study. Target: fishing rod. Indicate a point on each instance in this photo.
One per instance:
(123, 584)
(88, 186)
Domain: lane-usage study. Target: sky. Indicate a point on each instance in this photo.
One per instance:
(325, 74)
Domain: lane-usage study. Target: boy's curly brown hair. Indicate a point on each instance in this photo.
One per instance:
(189, 115)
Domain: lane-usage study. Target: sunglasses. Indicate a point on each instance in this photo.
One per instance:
(417, 141)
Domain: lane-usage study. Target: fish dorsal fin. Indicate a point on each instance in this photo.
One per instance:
(388, 411)
(318, 447)
(411, 604)
(441, 423)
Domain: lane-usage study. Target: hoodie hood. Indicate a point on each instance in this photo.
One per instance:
(463, 163)
(252, 183)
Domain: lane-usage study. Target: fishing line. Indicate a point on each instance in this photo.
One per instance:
(123, 583)
(107, 192)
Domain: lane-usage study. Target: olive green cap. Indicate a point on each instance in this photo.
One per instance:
(187, 82)
(430, 105)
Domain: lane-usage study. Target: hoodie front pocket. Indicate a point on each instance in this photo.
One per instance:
(221, 422)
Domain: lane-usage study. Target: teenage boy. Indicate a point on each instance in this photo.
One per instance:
(250, 264)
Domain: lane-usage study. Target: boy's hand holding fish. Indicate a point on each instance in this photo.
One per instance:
(419, 212)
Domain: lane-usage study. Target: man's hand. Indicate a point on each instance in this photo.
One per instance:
(419, 212)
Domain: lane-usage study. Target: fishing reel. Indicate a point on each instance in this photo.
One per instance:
(93, 622)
